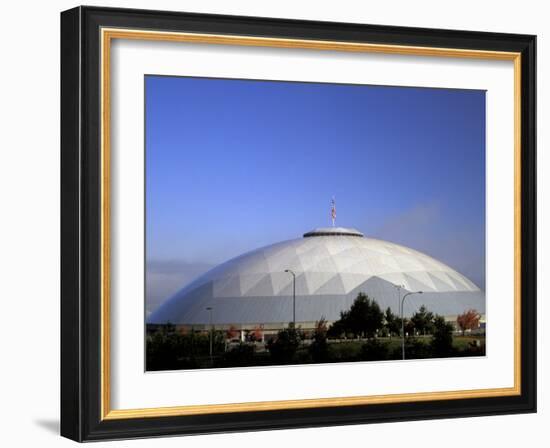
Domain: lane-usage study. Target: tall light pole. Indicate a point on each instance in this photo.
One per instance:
(290, 271)
(403, 323)
(398, 287)
(209, 308)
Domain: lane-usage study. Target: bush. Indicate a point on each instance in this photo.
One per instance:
(283, 348)
(414, 349)
(254, 335)
(417, 349)
(336, 330)
(168, 349)
(374, 350)
(474, 348)
(319, 347)
(344, 352)
(239, 356)
(319, 350)
(442, 340)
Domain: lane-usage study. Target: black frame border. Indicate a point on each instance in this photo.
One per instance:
(81, 225)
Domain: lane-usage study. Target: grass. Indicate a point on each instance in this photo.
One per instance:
(462, 342)
(459, 342)
(338, 351)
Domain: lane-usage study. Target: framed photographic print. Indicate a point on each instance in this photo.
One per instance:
(273, 223)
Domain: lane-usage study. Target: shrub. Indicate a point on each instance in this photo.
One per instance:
(474, 348)
(283, 348)
(170, 350)
(442, 340)
(417, 349)
(374, 350)
(319, 347)
(232, 333)
(239, 356)
(344, 352)
(336, 330)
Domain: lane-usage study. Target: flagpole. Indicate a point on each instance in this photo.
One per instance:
(333, 211)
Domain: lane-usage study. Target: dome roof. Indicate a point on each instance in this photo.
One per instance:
(332, 265)
(332, 231)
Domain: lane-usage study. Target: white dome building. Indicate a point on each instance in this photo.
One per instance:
(332, 265)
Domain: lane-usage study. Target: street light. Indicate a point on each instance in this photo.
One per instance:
(209, 308)
(402, 321)
(289, 271)
(398, 288)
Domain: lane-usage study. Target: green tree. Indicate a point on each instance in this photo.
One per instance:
(337, 330)
(392, 322)
(408, 326)
(318, 349)
(422, 321)
(283, 348)
(442, 339)
(364, 317)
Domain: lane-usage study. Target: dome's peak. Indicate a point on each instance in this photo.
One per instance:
(333, 231)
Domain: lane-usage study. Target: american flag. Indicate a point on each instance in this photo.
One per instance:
(333, 211)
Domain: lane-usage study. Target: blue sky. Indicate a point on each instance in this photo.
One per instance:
(232, 165)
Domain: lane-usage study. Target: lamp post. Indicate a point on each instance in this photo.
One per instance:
(398, 287)
(209, 308)
(403, 322)
(289, 271)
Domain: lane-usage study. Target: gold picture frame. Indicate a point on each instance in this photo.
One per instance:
(122, 25)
